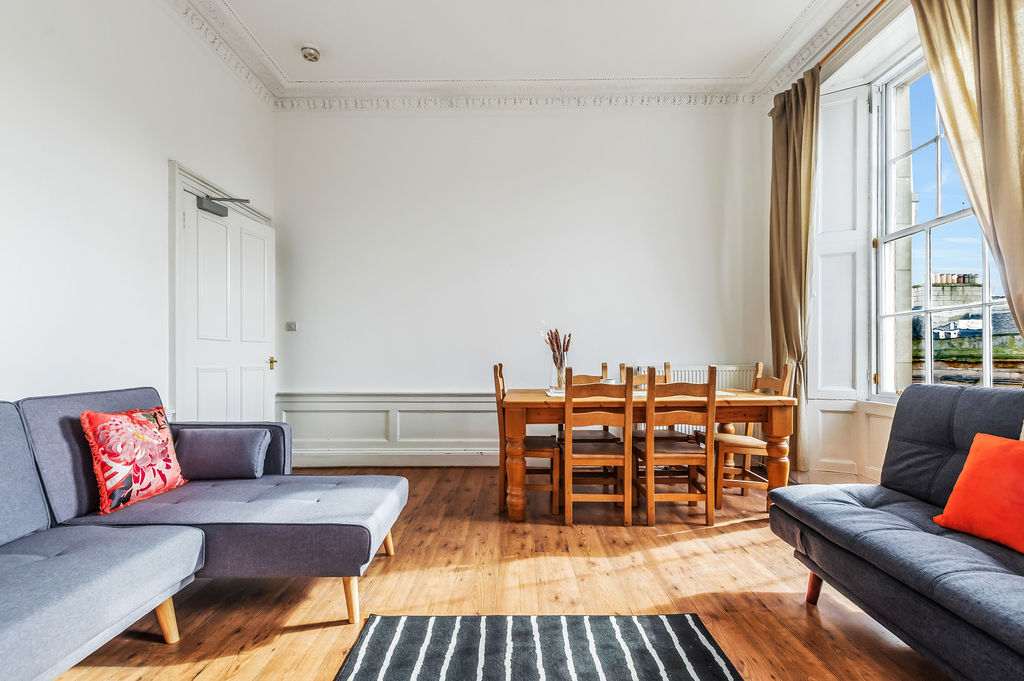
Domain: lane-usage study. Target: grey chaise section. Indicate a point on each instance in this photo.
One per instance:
(65, 591)
(277, 525)
(66, 569)
(956, 599)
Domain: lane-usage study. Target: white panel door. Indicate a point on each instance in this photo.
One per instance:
(225, 316)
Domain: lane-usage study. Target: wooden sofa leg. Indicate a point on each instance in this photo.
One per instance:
(352, 597)
(389, 545)
(813, 588)
(168, 622)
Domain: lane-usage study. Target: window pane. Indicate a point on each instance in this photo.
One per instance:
(903, 348)
(954, 197)
(996, 291)
(957, 345)
(923, 118)
(914, 118)
(956, 263)
(924, 196)
(1007, 350)
(904, 266)
(914, 194)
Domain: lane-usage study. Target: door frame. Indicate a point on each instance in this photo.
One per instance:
(182, 179)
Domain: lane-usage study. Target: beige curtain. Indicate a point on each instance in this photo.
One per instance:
(794, 145)
(975, 52)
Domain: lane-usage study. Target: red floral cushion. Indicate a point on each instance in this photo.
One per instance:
(132, 455)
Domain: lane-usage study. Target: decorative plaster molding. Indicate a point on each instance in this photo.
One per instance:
(216, 24)
(511, 101)
(197, 22)
(818, 45)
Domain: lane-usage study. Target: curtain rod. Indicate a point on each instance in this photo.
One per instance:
(853, 31)
(846, 38)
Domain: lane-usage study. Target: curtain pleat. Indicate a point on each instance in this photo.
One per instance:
(794, 151)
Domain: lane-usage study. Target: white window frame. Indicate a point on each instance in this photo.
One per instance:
(882, 90)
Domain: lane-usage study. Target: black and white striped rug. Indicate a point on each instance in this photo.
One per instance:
(537, 648)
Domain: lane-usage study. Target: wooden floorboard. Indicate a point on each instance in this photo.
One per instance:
(455, 555)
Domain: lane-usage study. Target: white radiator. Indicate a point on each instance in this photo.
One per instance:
(735, 376)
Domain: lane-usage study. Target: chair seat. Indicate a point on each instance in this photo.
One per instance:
(65, 591)
(536, 443)
(732, 440)
(668, 446)
(641, 434)
(582, 435)
(979, 580)
(596, 447)
(302, 525)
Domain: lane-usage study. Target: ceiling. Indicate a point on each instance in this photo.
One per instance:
(737, 48)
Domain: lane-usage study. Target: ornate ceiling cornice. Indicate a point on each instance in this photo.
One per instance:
(562, 101)
(215, 25)
(198, 24)
(818, 45)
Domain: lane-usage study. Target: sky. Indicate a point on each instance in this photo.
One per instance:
(957, 247)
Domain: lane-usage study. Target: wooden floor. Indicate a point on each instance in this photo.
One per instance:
(456, 556)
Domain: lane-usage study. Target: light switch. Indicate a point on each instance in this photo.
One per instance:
(291, 326)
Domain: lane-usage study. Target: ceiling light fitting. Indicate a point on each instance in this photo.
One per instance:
(310, 53)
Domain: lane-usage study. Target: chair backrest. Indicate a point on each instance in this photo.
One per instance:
(23, 508)
(579, 415)
(665, 415)
(783, 385)
(65, 462)
(932, 432)
(584, 379)
(499, 399)
(640, 378)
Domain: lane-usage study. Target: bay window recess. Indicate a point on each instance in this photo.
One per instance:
(942, 316)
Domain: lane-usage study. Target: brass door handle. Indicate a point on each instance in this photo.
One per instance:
(272, 363)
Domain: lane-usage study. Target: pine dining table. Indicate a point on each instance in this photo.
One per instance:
(535, 406)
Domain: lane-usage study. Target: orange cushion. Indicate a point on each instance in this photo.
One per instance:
(132, 455)
(988, 497)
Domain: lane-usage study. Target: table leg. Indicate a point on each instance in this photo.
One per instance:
(502, 478)
(777, 430)
(515, 464)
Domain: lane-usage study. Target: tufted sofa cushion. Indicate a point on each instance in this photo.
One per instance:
(932, 432)
(278, 525)
(49, 580)
(980, 581)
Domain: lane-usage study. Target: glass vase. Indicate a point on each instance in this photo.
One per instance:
(557, 378)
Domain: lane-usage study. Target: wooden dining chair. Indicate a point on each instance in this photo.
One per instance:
(640, 383)
(729, 473)
(579, 413)
(677, 455)
(590, 435)
(534, 446)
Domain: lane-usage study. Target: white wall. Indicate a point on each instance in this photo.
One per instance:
(418, 248)
(97, 97)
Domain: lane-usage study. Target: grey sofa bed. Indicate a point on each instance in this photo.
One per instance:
(956, 599)
(59, 558)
